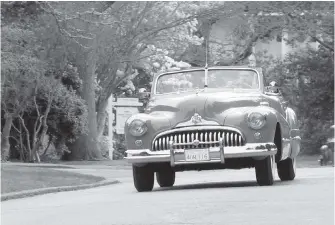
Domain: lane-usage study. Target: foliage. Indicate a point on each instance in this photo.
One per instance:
(119, 146)
(254, 22)
(104, 146)
(106, 37)
(32, 90)
(89, 50)
(68, 115)
(307, 80)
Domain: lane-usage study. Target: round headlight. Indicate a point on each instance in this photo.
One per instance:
(256, 120)
(137, 128)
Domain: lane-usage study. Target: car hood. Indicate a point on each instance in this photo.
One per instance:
(210, 106)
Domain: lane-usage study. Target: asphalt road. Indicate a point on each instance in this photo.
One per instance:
(206, 197)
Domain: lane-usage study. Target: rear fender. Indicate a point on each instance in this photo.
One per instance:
(295, 137)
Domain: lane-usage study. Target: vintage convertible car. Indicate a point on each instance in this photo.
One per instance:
(212, 118)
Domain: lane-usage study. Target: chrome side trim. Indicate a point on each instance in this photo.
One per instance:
(264, 103)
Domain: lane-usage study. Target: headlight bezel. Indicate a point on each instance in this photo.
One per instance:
(250, 119)
(132, 128)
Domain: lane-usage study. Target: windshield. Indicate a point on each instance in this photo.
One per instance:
(180, 82)
(217, 79)
(243, 79)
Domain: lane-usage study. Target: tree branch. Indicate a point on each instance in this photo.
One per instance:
(46, 149)
(27, 133)
(15, 128)
(321, 42)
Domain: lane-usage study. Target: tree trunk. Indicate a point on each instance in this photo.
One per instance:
(49, 143)
(5, 146)
(86, 147)
(101, 116)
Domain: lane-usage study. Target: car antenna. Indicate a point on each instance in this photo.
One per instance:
(206, 63)
(206, 67)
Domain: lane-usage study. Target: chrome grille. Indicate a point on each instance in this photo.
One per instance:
(183, 139)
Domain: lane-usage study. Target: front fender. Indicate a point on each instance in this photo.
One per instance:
(236, 117)
(157, 122)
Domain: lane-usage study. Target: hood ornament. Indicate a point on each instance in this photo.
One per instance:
(196, 118)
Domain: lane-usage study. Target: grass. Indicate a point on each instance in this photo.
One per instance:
(22, 178)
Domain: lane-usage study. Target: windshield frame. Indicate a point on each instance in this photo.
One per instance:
(154, 91)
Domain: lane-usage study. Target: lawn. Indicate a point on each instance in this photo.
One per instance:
(20, 178)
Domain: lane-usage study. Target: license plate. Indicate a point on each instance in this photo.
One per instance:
(196, 155)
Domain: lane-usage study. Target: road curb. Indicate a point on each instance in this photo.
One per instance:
(42, 191)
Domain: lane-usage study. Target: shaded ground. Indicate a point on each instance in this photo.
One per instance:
(207, 197)
(27, 176)
(20, 178)
(303, 161)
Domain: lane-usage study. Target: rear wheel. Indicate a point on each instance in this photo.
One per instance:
(166, 177)
(143, 178)
(265, 171)
(286, 169)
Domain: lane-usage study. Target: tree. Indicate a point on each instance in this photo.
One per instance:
(307, 81)
(115, 37)
(19, 70)
(253, 22)
(31, 88)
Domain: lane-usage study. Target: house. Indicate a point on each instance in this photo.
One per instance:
(221, 35)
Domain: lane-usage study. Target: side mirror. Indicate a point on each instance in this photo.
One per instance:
(143, 94)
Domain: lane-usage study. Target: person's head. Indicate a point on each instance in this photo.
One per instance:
(273, 84)
(129, 92)
(323, 148)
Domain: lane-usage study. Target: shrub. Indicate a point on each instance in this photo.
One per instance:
(307, 81)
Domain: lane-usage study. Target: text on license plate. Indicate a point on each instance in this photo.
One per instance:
(196, 155)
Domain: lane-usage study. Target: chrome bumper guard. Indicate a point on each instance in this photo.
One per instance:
(216, 154)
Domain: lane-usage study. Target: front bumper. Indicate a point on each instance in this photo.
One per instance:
(216, 154)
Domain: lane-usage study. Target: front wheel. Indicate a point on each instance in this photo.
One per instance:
(143, 178)
(166, 177)
(264, 171)
(286, 169)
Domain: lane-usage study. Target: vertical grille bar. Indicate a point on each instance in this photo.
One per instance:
(227, 136)
(163, 143)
